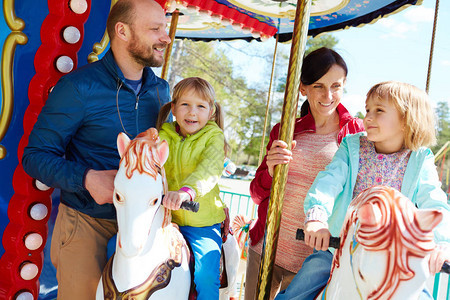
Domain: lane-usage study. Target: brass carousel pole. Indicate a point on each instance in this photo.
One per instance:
(172, 30)
(433, 35)
(299, 36)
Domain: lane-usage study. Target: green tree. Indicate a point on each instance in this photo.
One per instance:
(359, 115)
(443, 125)
(326, 40)
(244, 106)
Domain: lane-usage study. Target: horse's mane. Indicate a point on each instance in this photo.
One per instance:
(398, 232)
(141, 156)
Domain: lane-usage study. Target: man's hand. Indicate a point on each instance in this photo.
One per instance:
(100, 184)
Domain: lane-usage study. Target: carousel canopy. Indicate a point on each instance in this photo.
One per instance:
(250, 19)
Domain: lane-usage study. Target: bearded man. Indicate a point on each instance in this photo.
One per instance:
(73, 143)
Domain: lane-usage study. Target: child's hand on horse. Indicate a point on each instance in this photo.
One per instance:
(173, 199)
(438, 256)
(317, 235)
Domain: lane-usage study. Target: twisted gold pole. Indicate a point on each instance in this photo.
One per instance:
(172, 30)
(433, 35)
(300, 34)
(7, 61)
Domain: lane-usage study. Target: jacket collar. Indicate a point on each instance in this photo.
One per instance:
(307, 122)
(148, 76)
(172, 129)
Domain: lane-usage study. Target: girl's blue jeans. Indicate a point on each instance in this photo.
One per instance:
(313, 276)
(206, 244)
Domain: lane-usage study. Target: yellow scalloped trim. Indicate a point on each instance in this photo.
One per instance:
(98, 48)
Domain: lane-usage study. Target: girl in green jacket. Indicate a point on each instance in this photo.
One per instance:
(195, 164)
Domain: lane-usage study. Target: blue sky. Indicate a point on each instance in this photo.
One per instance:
(393, 48)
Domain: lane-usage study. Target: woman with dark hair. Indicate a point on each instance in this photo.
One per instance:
(317, 134)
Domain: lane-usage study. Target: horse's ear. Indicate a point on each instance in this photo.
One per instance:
(369, 214)
(428, 218)
(163, 152)
(122, 143)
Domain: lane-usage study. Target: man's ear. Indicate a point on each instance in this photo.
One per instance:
(122, 31)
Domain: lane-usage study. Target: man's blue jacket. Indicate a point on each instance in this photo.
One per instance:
(78, 126)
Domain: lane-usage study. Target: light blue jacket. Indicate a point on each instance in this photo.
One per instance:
(332, 189)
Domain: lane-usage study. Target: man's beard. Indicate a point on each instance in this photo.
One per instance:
(143, 55)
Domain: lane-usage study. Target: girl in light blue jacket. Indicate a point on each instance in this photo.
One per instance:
(399, 123)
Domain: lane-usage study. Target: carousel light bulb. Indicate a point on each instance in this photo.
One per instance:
(246, 30)
(256, 34)
(264, 37)
(237, 26)
(38, 211)
(25, 296)
(39, 185)
(215, 18)
(170, 6)
(28, 271)
(64, 64)
(71, 34)
(225, 22)
(33, 241)
(191, 9)
(78, 6)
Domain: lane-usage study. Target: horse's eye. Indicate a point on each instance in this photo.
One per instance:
(118, 198)
(361, 275)
(153, 202)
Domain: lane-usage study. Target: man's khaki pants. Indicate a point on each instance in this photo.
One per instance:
(78, 252)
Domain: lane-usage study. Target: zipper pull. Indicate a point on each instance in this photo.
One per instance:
(137, 103)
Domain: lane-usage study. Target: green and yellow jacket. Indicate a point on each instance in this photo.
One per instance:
(196, 161)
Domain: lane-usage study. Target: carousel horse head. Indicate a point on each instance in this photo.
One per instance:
(385, 246)
(151, 260)
(139, 186)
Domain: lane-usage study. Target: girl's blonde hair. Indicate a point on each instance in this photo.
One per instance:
(415, 109)
(204, 90)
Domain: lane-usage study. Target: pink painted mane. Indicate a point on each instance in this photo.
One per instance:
(142, 156)
(397, 232)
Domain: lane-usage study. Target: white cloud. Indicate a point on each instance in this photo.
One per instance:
(412, 17)
(354, 103)
(418, 14)
(396, 28)
(446, 63)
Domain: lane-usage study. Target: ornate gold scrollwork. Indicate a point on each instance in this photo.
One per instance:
(98, 48)
(15, 37)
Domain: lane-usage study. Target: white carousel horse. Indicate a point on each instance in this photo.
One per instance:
(231, 250)
(384, 249)
(151, 259)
